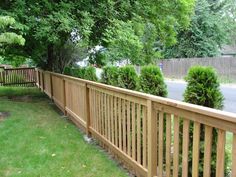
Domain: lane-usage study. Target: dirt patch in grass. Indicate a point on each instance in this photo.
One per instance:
(26, 98)
(4, 115)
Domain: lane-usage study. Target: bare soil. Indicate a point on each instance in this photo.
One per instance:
(26, 98)
(4, 115)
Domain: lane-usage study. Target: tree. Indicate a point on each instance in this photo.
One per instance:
(123, 42)
(10, 36)
(206, 34)
(52, 23)
(7, 37)
(230, 17)
(139, 39)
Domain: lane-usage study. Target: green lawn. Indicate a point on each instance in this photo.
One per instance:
(37, 141)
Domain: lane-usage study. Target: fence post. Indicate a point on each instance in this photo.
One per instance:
(87, 103)
(51, 86)
(152, 140)
(64, 96)
(43, 85)
(3, 77)
(38, 76)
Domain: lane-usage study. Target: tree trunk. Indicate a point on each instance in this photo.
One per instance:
(50, 57)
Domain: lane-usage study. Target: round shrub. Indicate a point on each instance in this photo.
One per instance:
(78, 72)
(152, 81)
(203, 87)
(67, 70)
(128, 78)
(90, 73)
(110, 75)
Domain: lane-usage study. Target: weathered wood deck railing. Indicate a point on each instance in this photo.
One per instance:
(144, 131)
(18, 77)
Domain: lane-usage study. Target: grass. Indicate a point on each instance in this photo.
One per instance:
(37, 141)
(20, 91)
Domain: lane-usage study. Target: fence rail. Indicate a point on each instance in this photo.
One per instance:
(150, 134)
(18, 77)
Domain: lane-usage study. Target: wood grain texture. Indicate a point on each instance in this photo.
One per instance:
(137, 127)
(220, 158)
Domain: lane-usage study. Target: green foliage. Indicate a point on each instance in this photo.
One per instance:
(6, 36)
(99, 59)
(128, 78)
(203, 87)
(152, 81)
(78, 72)
(206, 34)
(110, 75)
(113, 25)
(123, 42)
(13, 60)
(67, 70)
(11, 38)
(230, 20)
(90, 73)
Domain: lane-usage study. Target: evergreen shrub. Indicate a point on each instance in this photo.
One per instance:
(90, 74)
(203, 89)
(152, 81)
(110, 75)
(128, 78)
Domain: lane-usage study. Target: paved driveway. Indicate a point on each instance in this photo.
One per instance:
(176, 90)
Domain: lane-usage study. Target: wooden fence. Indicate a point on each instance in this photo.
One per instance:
(178, 68)
(150, 134)
(18, 77)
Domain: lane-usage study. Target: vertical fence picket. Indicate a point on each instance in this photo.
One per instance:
(220, 158)
(207, 151)
(160, 143)
(234, 156)
(119, 120)
(145, 136)
(128, 129)
(133, 132)
(168, 145)
(112, 121)
(196, 144)
(124, 125)
(185, 148)
(116, 123)
(152, 140)
(176, 147)
(138, 134)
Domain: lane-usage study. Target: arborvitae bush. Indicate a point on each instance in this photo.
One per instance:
(110, 75)
(203, 89)
(128, 78)
(67, 70)
(90, 73)
(152, 81)
(78, 72)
